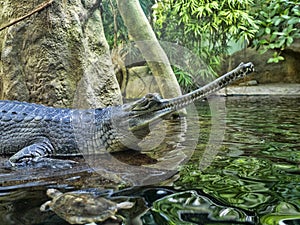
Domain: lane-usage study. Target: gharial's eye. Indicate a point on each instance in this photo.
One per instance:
(153, 96)
(141, 104)
(149, 101)
(145, 102)
(149, 96)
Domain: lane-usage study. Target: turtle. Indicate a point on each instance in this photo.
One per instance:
(82, 207)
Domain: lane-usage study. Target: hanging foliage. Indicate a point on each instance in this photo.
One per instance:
(206, 27)
(279, 26)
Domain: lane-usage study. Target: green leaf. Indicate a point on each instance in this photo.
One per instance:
(272, 46)
(273, 37)
(264, 50)
(280, 58)
(294, 20)
(276, 58)
(281, 43)
(289, 41)
(272, 60)
(263, 42)
(277, 21)
(279, 33)
(286, 17)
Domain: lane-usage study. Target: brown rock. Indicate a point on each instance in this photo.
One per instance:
(58, 56)
(287, 71)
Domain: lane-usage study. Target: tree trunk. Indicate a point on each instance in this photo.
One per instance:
(143, 35)
(57, 56)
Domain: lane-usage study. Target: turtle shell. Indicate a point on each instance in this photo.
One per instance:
(81, 208)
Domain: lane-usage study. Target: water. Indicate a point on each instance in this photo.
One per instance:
(251, 177)
(258, 169)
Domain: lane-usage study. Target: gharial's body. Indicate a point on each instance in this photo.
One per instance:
(31, 132)
(23, 124)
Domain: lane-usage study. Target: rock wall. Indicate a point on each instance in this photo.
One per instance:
(58, 56)
(140, 82)
(287, 71)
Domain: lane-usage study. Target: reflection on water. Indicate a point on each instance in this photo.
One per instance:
(189, 207)
(258, 168)
(254, 179)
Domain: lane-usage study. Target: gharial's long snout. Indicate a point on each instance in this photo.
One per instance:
(152, 106)
(180, 102)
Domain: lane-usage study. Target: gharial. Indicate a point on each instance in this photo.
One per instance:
(82, 208)
(32, 133)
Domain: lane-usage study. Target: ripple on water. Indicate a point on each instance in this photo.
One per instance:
(254, 179)
(258, 169)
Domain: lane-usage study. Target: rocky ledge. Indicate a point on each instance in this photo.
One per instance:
(262, 89)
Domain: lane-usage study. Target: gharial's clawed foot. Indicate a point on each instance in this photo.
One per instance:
(42, 162)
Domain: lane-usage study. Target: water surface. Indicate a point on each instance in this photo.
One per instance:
(257, 170)
(251, 177)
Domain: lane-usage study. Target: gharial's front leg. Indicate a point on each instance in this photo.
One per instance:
(39, 149)
(36, 155)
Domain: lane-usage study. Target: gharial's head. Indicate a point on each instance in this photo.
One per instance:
(130, 122)
(152, 107)
(146, 110)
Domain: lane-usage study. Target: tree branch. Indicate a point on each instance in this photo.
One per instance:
(141, 32)
(37, 9)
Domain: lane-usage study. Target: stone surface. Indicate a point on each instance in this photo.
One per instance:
(287, 71)
(249, 83)
(295, 47)
(262, 89)
(140, 82)
(58, 56)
